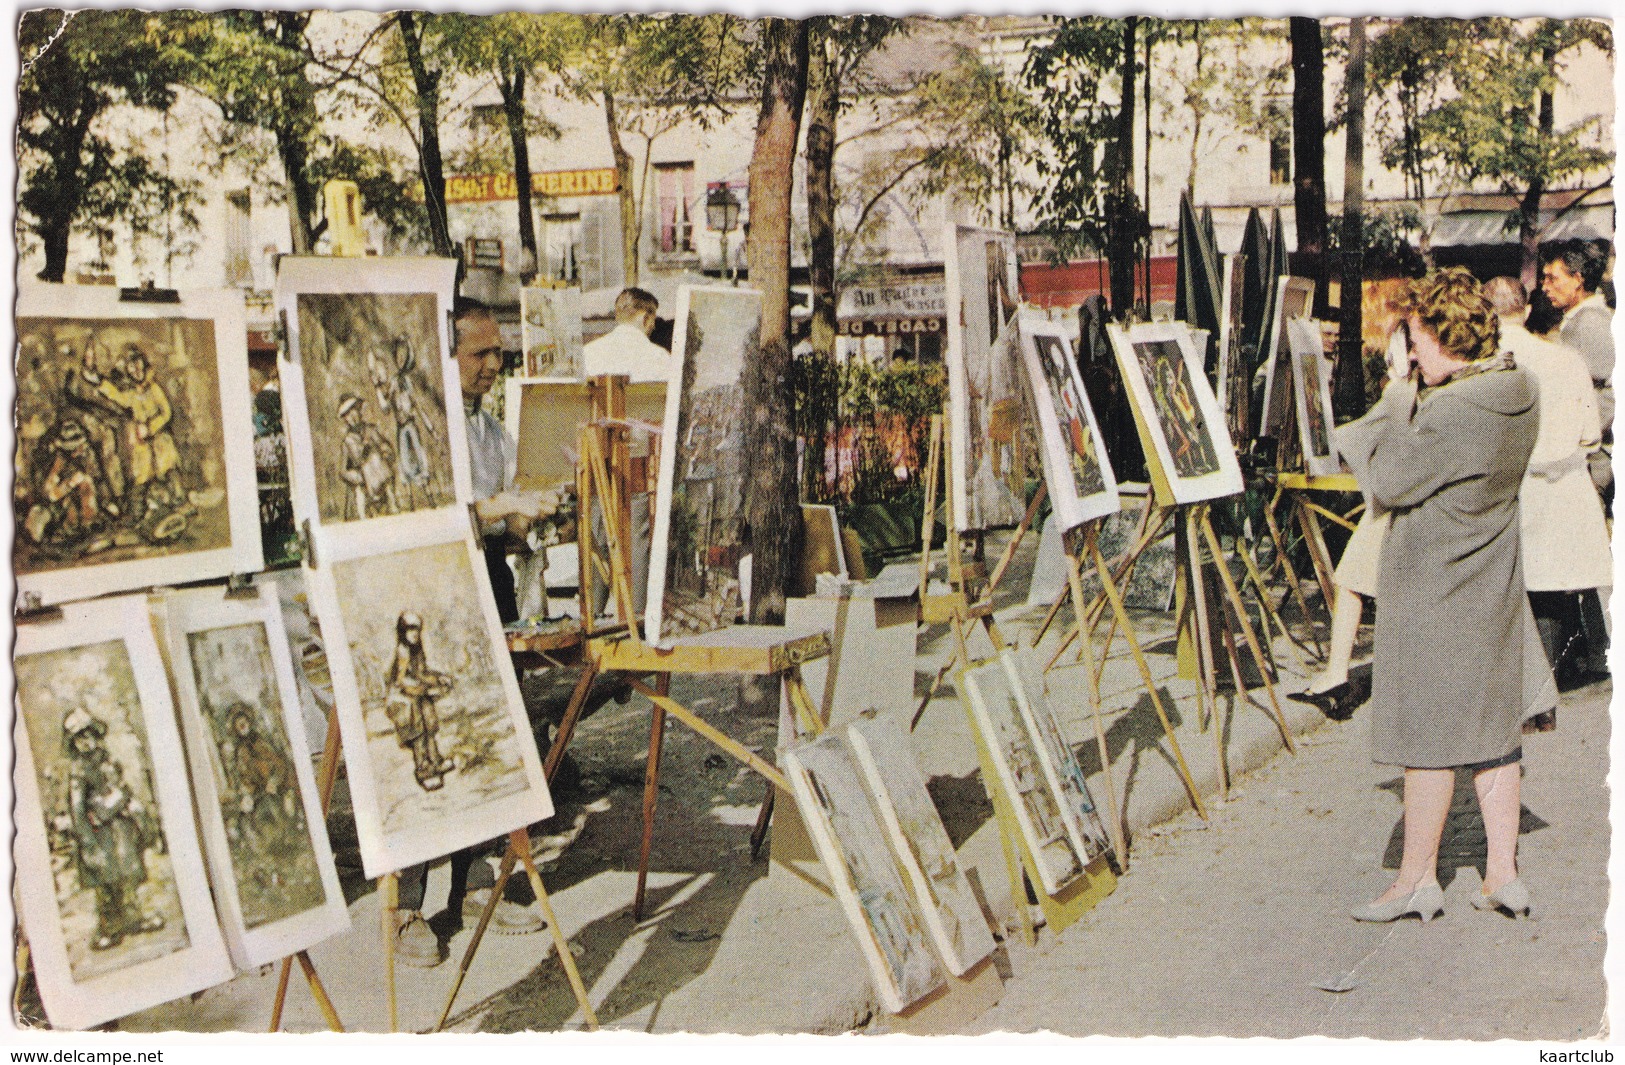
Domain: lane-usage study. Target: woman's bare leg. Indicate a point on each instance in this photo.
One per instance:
(1427, 803)
(1499, 804)
(1346, 609)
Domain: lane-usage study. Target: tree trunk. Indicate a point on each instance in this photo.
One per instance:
(1309, 151)
(631, 230)
(430, 166)
(772, 494)
(301, 193)
(511, 83)
(1350, 398)
(1529, 206)
(1122, 210)
(55, 213)
(823, 108)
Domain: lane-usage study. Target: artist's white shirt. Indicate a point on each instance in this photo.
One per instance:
(626, 350)
(493, 457)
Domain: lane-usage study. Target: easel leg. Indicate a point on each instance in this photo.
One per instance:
(389, 889)
(1115, 825)
(764, 817)
(1116, 599)
(567, 724)
(284, 971)
(651, 791)
(509, 859)
(1287, 568)
(1204, 646)
(323, 1003)
(1247, 631)
(928, 519)
(520, 841)
(1018, 888)
(1318, 555)
(1269, 610)
(327, 772)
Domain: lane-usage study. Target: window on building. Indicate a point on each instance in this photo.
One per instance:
(561, 241)
(674, 195)
(239, 268)
(1280, 138)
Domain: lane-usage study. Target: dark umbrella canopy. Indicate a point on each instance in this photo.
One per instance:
(1197, 293)
(1255, 250)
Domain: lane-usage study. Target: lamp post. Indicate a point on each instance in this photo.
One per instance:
(721, 215)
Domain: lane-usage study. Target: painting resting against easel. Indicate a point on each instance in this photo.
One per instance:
(276, 888)
(1294, 298)
(1312, 397)
(439, 749)
(867, 881)
(991, 434)
(1081, 484)
(885, 756)
(367, 385)
(134, 458)
(545, 419)
(551, 333)
(699, 526)
(1047, 810)
(114, 900)
(1163, 369)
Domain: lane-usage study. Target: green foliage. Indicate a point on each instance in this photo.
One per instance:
(858, 422)
(1387, 250)
(387, 183)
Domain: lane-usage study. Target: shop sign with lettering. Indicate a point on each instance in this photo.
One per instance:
(483, 188)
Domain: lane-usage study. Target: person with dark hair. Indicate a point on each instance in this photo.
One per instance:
(1571, 277)
(627, 349)
(1445, 451)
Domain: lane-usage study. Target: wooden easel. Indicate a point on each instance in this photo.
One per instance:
(1297, 489)
(603, 476)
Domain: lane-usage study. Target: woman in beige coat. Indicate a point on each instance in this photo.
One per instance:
(1445, 451)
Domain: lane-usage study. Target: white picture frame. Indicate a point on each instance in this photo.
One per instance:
(101, 660)
(204, 435)
(414, 295)
(550, 331)
(293, 901)
(1312, 397)
(849, 839)
(694, 576)
(1294, 298)
(885, 756)
(1082, 486)
(361, 582)
(1162, 368)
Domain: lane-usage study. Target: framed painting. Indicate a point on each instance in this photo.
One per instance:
(550, 328)
(885, 756)
(110, 879)
(546, 417)
(1060, 766)
(1232, 385)
(699, 525)
(369, 375)
(1294, 298)
(438, 746)
(992, 695)
(1081, 484)
(135, 441)
(264, 835)
(1312, 397)
(821, 548)
(851, 843)
(989, 431)
(1163, 370)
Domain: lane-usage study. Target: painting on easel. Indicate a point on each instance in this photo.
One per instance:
(884, 755)
(134, 452)
(551, 331)
(110, 880)
(1065, 775)
(1081, 484)
(264, 835)
(439, 749)
(1312, 397)
(1163, 369)
(366, 388)
(990, 431)
(546, 417)
(1294, 298)
(852, 845)
(699, 526)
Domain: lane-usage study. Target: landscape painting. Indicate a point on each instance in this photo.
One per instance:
(264, 834)
(367, 389)
(134, 453)
(1163, 370)
(699, 526)
(110, 879)
(852, 845)
(1312, 398)
(993, 448)
(551, 333)
(995, 709)
(1294, 298)
(1060, 764)
(439, 749)
(885, 756)
(1081, 484)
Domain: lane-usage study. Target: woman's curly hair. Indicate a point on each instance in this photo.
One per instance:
(1452, 304)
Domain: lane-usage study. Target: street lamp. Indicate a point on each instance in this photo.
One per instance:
(721, 215)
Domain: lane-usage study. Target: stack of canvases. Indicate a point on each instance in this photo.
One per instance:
(135, 469)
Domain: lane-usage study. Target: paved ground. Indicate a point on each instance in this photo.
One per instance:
(1222, 928)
